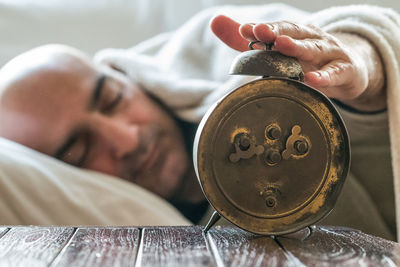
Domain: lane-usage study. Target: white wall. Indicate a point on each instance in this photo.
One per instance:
(314, 5)
(95, 24)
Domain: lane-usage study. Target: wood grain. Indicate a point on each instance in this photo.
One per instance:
(334, 246)
(188, 246)
(101, 247)
(235, 247)
(174, 246)
(32, 246)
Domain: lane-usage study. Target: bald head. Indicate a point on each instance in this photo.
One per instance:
(35, 66)
(32, 85)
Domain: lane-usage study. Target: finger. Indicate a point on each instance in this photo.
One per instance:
(320, 81)
(315, 51)
(264, 32)
(227, 30)
(267, 32)
(246, 30)
(334, 80)
(336, 73)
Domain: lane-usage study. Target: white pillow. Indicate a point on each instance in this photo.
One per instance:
(40, 190)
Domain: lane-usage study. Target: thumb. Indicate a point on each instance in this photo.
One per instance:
(334, 79)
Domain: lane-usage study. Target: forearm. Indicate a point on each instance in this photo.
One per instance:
(374, 96)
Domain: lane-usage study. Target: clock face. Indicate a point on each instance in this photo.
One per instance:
(272, 156)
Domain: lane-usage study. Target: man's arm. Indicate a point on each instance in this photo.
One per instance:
(343, 66)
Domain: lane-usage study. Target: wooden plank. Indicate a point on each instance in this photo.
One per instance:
(334, 246)
(32, 246)
(235, 247)
(174, 246)
(101, 247)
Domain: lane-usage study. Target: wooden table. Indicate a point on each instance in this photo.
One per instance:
(189, 246)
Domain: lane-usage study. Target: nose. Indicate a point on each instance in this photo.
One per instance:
(119, 136)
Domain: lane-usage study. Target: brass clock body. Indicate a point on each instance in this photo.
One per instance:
(272, 156)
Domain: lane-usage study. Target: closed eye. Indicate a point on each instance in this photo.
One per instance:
(108, 108)
(107, 94)
(75, 150)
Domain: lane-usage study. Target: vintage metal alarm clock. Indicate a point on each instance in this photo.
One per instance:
(273, 154)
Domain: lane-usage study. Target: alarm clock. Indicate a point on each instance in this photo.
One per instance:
(272, 155)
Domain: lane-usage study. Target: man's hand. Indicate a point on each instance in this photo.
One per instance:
(343, 66)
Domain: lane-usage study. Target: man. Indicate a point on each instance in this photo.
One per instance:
(56, 101)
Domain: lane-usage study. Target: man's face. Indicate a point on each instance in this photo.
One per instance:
(93, 117)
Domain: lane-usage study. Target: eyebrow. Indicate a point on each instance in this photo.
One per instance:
(96, 92)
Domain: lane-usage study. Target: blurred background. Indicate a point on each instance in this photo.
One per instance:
(93, 25)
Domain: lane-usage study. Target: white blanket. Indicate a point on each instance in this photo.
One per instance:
(188, 69)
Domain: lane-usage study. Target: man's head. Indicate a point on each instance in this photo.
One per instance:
(55, 100)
